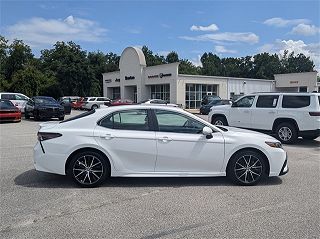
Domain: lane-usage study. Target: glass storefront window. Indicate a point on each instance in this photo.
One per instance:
(116, 93)
(160, 92)
(195, 93)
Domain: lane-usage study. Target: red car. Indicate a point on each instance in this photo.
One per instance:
(8, 112)
(77, 104)
(120, 102)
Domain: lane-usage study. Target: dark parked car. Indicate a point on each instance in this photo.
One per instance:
(8, 112)
(120, 102)
(66, 103)
(208, 98)
(43, 107)
(205, 109)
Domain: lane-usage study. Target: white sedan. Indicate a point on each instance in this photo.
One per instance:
(154, 141)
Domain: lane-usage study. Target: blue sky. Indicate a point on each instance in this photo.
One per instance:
(227, 28)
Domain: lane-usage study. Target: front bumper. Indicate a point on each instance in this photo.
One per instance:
(285, 168)
(51, 114)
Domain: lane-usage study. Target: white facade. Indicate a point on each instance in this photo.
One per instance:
(138, 82)
(297, 82)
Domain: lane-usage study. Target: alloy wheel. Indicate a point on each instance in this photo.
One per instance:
(218, 122)
(87, 169)
(285, 133)
(248, 169)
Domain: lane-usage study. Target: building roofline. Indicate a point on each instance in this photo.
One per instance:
(296, 73)
(174, 63)
(226, 77)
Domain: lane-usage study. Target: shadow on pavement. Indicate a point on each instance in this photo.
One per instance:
(303, 143)
(35, 179)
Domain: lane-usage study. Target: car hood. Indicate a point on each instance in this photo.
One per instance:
(247, 133)
(217, 107)
(48, 105)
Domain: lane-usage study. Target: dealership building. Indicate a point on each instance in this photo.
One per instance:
(137, 81)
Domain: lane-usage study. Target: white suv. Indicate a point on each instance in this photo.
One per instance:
(19, 100)
(287, 115)
(91, 103)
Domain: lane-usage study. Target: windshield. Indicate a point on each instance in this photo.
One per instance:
(45, 101)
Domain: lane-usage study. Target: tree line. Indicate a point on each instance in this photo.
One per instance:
(67, 69)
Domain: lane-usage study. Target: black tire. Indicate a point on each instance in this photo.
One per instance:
(36, 115)
(61, 118)
(247, 168)
(94, 107)
(287, 133)
(26, 115)
(219, 120)
(84, 176)
(310, 137)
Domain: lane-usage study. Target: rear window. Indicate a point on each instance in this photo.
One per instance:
(267, 101)
(8, 97)
(295, 101)
(79, 116)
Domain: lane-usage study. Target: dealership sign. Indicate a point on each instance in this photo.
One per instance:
(161, 75)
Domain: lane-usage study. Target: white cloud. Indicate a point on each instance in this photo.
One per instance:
(210, 28)
(279, 46)
(196, 61)
(246, 37)
(280, 22)
(305, 30)
(39, 32)
(163, 53)
(222, 49)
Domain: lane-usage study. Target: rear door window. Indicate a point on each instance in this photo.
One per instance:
(127, 120)
(295, 101)
(267, 101)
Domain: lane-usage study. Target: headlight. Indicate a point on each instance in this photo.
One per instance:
(274, 144)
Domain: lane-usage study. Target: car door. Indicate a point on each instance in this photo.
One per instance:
(240, 112)
(182, 148)
(129, 139)
(264, 112)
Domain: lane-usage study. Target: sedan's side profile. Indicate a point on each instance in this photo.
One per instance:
(154, 141)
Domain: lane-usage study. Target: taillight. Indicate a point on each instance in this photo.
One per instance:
(317, 113)
(42, 136)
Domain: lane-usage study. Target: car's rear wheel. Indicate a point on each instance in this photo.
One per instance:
(94, 107)
(61, 118)
(89, 169)
(247, 168)
(219, 120)
(286, 133)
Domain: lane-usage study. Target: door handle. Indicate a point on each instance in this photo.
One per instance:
(271, 112)
(165, 139)
(107, 136)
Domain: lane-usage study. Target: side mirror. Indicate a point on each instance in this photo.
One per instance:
(207, 132)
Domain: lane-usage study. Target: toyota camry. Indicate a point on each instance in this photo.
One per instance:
(154, 141)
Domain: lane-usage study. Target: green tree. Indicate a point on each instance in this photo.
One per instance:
(4, 85)
(112, 62)
(70, 65)
(266, 65)
(186, 67)
(19, 55)
(211, 65)
(151, 59)
(172, 57)
(31, 81)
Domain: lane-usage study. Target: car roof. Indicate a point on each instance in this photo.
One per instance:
(285, 93)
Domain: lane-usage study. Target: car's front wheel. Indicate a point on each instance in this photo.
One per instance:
(247, 168)
(94, 107)
(89, 169)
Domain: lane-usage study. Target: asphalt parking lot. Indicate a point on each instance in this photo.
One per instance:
(41, 205)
